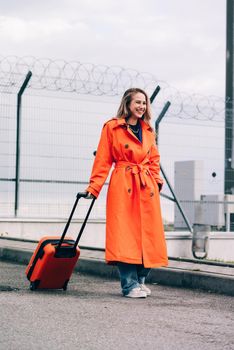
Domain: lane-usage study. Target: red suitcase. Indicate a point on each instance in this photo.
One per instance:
(54, 259)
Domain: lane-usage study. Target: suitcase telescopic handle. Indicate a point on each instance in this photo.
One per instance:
(78, 196)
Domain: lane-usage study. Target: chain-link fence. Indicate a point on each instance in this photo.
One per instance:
(62, 113)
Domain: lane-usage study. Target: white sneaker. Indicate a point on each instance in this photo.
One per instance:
(145, 289)
(136, 293)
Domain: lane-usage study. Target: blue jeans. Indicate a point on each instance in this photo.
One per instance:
(131, 276)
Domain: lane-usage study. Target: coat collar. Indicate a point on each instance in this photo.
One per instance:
(122, 122)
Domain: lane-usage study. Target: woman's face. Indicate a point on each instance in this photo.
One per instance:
(137, 105)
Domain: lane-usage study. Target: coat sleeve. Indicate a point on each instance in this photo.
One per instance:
(102, 163)
(155, 165)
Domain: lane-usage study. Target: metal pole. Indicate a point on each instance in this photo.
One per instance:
(229, 115)
(176, 200)
(154, 94)
(18, 139)
(161, 115)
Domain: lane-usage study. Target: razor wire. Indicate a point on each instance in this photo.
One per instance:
(101, 80)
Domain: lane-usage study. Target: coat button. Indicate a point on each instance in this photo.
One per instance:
(129, 190)
(148, 152)
(151, 194)
(128, 168)
(147, 173)
(126, 146)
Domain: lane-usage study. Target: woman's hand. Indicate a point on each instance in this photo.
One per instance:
(89, 196)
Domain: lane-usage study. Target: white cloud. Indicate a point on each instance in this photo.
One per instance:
(17, 29)
(183, 43)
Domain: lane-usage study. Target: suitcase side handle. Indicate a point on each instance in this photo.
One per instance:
(78, 196)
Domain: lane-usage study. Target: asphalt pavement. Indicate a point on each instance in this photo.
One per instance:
(92, 315)
(210, 276)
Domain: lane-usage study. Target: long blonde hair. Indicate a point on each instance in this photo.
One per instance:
(124, 111)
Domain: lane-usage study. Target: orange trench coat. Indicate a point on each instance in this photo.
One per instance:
(134, 228)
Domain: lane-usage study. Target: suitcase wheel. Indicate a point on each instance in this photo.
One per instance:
(34, 285)
(65, 285)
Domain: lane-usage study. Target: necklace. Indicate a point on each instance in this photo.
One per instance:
(133, 130)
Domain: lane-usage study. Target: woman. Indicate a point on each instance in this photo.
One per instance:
(134, 229)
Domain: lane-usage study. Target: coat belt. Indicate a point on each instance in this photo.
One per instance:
(140, 169)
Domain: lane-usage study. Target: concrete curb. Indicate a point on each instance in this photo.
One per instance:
(15, 255)
(216, 283)
(194, 280)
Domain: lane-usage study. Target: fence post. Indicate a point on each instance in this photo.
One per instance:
(154, 94)
(174, 199)
(18, 139)
(161, 115)
(229, 114)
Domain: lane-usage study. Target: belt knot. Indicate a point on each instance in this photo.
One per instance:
(139, 169)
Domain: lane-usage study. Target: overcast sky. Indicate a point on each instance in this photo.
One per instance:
(179, 41)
